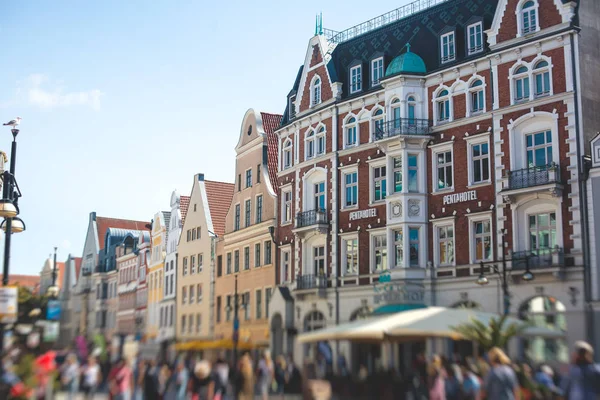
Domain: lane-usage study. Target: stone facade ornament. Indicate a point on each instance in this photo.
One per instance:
(414, 208)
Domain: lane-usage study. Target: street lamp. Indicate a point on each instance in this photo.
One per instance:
(17, 226)
(482, 280)
(53, 290)
(9, 209)
(236, 322)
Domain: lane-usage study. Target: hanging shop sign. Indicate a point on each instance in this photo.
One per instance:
(53, 310)
(369, 213)
(8, 304)
(398, 293)
(51, 331)
(460, 197)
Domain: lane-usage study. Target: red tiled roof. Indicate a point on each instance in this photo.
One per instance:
(270, 123)
(28, 281)
(184, 204)
(60, 273)
(219, 195)
(78, 261)
(105, 223)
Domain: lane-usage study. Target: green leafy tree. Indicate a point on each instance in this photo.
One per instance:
(497, 333)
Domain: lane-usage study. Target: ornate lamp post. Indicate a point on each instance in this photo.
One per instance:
(236, 323)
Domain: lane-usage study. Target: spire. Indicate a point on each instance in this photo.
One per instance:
(319, 24)
(407, 47)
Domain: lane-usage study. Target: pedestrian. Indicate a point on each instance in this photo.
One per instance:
(265, 373)
(151, 381)
(163, 379)
(280, 374)
(123, 381)
(545, 378)
(91, 377)
(437, 379)
(245, 384)
(138, 375)
(293, 378)
(202, 383)
(181, 380)
(453, 383)
(501, 381)
(471, 386)
(583, 379)
(70, 376)
(221, 376)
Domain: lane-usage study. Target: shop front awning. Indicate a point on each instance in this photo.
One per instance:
(222, 344)
(411, 324)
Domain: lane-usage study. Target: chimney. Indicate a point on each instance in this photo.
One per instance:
(201, 177)
(93, 216)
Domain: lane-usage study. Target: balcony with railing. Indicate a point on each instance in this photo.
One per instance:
(311, 219)
(318, 283)
(534, 179)
(402, 127)
(548, 257)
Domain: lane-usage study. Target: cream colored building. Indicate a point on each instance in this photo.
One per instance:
(247, 252)
(155, 276)
(196, 258)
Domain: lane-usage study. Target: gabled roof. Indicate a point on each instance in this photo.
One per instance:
(104, 223)
(78, 261)
(271, 123)
(184, 204)
(219, 195)
(28, 281)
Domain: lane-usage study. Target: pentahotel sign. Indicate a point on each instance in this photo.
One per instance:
(368, 213)
(460, 197)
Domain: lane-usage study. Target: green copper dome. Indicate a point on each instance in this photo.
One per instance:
(406, 63)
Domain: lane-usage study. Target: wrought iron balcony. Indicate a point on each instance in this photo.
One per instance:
(533, 176)
(538, 258)
(312, 217)
(306, 282)
(402, 126)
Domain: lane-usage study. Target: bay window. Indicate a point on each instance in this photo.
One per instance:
(398, 248)
(413, 237)
(380, 252)
(397, 162)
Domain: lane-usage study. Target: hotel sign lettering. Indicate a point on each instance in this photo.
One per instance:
(460, 197)
(399, 293)
(371, 212)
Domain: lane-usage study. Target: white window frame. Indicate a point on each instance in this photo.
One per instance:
(376, 119)
(439, 99)
(377, 65)
(443, 223)
(316, 258)
(355, 79)
(514, 78)
(451, 41)
(475, 140)
(346, 172)
(287, 159)
(372, 250)
(472, 48)
(421, 245)
(398, 243)
(541, 71)
(315, 91)
(435, 167)
(310, 140)
(406, 178)
(556, 233)
(474, 218)
(535, 147)
(521, 15)
(285, 218)
(285, 250)
(320, 138)
(200, 262)
(344, 252)
(351, 125)
(472, 90)
(372, 168)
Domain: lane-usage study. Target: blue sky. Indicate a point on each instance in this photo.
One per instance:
(123, 101)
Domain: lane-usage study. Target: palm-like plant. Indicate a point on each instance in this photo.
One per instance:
(497, 333)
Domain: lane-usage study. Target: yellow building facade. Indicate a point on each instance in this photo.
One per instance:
(155, 275)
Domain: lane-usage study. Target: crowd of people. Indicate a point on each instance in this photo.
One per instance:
(187, 378)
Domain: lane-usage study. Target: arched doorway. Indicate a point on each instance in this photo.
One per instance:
(277, 335)
(546, 312)
(314, 321)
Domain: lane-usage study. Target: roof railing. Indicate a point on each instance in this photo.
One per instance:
(382, 20)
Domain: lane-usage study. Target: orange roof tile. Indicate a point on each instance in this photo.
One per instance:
(184, 204)
(28, 281)
(270, 123)
(78, 261)
(105, 223)
(219, 195)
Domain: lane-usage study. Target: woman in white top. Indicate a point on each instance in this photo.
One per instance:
(91, 377)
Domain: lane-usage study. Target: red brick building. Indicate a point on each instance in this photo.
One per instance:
(422, 143)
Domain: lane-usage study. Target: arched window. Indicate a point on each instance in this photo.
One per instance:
(476, 97)
(541, 76)
(309, 145)
(396, 112)
(314, 321)
(350, 137)
(316, 92)
(529, 20)
(321, 141)
(287, 154)
(443, 106)
(546, 312)
(378, 122)
(521, 84)
(411, 105)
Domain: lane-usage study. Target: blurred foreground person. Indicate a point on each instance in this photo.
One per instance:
(266, 372)
(437, 379)
(91, 377)
(501, 381)
(70, 376)
(202, 385)
(245, 381)
(583, 380)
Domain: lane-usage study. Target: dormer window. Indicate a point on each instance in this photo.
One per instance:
(529, 19)
(310, 144)
(376, 71)
(350, 137)
(321, 141)
(448, 47)
(475, 38)
(287, 154)
(356, 79)
(316, 92)
(292, 107)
